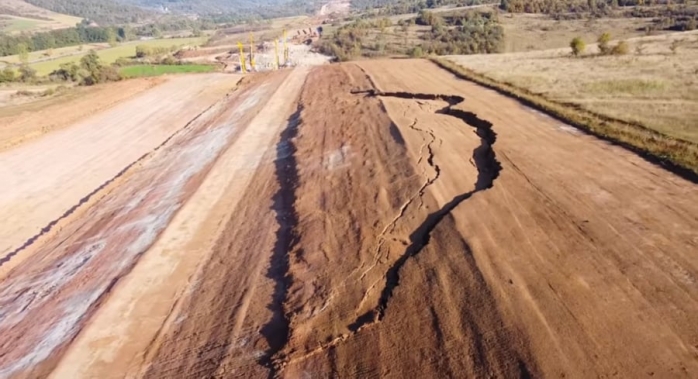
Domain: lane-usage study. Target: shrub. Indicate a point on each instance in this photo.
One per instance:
(26, 73)
(109, 74)
(417, 52)
(621, 48)
(603, 41)
(168, 60)
(122, 61)
(428, 18)
(143, 51)
(7, 75)
(577, 45)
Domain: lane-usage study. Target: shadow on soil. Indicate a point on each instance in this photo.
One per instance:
(276, 331)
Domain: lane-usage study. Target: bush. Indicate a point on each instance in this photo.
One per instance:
(577, 45)
(168, 60)
(89, 72)
(428, 18)
(109, 74)
(26, 73)
(417, 52)
(48, 92)
(143, 51)
(621, 48)
(603, 41)
(7, 75)
(122, 61)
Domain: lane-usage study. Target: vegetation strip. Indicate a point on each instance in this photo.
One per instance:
(675, 155)
(156, 70)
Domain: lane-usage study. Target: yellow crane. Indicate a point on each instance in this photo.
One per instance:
(243, 64)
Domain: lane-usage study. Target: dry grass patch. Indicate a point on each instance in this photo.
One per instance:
(677, 155)
(530, 32)
(627, 87)
(657, 89)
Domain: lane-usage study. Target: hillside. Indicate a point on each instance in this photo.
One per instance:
(100, 11)
(131, 11)
(19, 16)
(258, 8)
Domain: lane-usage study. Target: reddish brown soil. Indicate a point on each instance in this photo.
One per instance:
(381, 219)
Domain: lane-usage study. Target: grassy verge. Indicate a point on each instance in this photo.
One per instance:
(676, 155)
(110, 55)
(157, 70)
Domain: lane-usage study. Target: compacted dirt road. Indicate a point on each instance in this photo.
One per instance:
(380, 219)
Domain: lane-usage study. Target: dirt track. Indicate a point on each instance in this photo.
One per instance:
(380, 219)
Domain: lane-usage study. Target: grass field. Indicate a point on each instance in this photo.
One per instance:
(42, 55)
(656, 88)
(110, 55)
(157, 70)
(10, 24)
(24, 17)
(530, 32)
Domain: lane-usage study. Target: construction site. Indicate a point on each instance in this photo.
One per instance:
(292, 218)
(290, 49)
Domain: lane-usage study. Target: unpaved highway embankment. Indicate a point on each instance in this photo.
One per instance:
(372, 219)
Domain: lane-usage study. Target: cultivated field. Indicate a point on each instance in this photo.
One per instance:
(373, 219)
(110, 55)
(150, 70)
(44, 62)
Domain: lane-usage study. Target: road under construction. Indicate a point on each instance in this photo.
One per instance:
(370, 219)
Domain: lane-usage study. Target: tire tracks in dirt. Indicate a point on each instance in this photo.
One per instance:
(50, 226)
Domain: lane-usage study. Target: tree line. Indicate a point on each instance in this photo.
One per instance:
(15, 44)
(470, 32)
(396, 7)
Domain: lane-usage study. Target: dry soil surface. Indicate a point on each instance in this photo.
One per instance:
(381, 219)
(35, 118)
(46, 178)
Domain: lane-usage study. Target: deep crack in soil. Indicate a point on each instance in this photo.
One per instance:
(488, 168)
(277, 330)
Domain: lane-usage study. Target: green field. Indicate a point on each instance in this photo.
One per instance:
(110, 55)
(152, 70)
(54, 53)
(18, 24)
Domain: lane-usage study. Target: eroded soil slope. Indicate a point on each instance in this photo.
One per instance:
(379, 219)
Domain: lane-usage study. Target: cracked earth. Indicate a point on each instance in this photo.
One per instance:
(372, 219)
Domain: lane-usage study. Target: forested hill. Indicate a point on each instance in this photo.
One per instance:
(239, 8)
(107, 12)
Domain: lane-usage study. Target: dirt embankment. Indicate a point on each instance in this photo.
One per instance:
(30, 121)
(379, 219)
